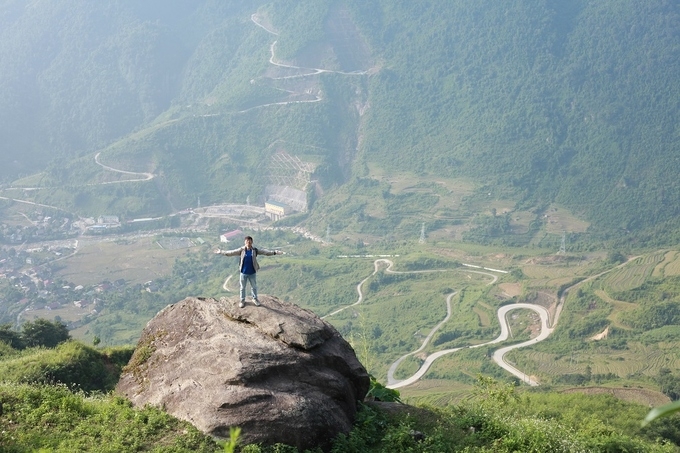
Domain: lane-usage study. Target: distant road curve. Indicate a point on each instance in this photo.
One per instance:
(34, 204)
(376, 266)
(314, 71)
(498, 355)
(146, 176)
(226, 283)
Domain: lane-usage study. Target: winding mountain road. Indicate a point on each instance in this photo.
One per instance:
(498, 356)
(312, 71)
(146, 176)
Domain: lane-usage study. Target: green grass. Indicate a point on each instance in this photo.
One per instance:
(314, 277)
(673, 268)
(71, 363)
(53, 418)
(377, 330)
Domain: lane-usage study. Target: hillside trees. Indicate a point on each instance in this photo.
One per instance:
(573, 103)
(40, 332)
(546, 103)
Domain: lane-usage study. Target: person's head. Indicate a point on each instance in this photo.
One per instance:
(248, 241)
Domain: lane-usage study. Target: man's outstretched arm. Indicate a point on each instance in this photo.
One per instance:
(234, 252)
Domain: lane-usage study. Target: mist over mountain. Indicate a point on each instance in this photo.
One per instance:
(540, 102)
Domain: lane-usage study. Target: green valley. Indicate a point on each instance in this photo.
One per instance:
(427, 164)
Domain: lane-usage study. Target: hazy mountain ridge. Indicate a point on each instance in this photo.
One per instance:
(575, 104)
(559, 104)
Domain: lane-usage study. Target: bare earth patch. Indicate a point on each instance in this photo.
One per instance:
(600, 336)
(511, 289)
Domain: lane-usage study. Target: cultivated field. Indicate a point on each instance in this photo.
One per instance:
(135, 261)
(632, 274)
(670, 267)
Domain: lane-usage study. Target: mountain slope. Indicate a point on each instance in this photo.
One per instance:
(546, 102)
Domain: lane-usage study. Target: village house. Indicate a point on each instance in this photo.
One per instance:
(231, 235)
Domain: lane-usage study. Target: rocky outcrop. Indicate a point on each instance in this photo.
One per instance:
(277, 371)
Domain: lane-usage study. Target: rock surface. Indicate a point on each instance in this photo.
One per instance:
(278, 371)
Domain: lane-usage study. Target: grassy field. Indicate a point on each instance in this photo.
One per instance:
(669, 267)
(560, 220)
(659, 270)
(633, 361)
(135, 261)
(16, 214)
(67, 313)
(618, 306)
(436, 392)
(446, 208)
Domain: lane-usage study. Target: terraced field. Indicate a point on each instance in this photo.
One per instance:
(633, 395)
(436, 392)
(637, 360)
(660, 269)
(462, 366)
(672, 269)
(539, 272)
(633, 274)
(484, 318)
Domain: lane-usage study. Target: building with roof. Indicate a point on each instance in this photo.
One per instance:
(276, 210)
(231, 235)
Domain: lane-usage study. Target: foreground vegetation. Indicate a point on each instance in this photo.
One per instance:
(62, 417)
(56, 395)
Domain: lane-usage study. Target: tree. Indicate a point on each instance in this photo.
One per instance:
(42, 332)
(616, 257)
(11, 337)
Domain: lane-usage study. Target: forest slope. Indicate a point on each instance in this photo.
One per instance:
(544, 102)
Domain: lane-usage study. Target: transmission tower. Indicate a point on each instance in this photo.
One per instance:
(563, 245)
(422, 234)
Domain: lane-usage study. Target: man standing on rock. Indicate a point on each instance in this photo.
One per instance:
(248, 266)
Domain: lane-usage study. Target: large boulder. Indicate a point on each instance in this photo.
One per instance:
(278, 371)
